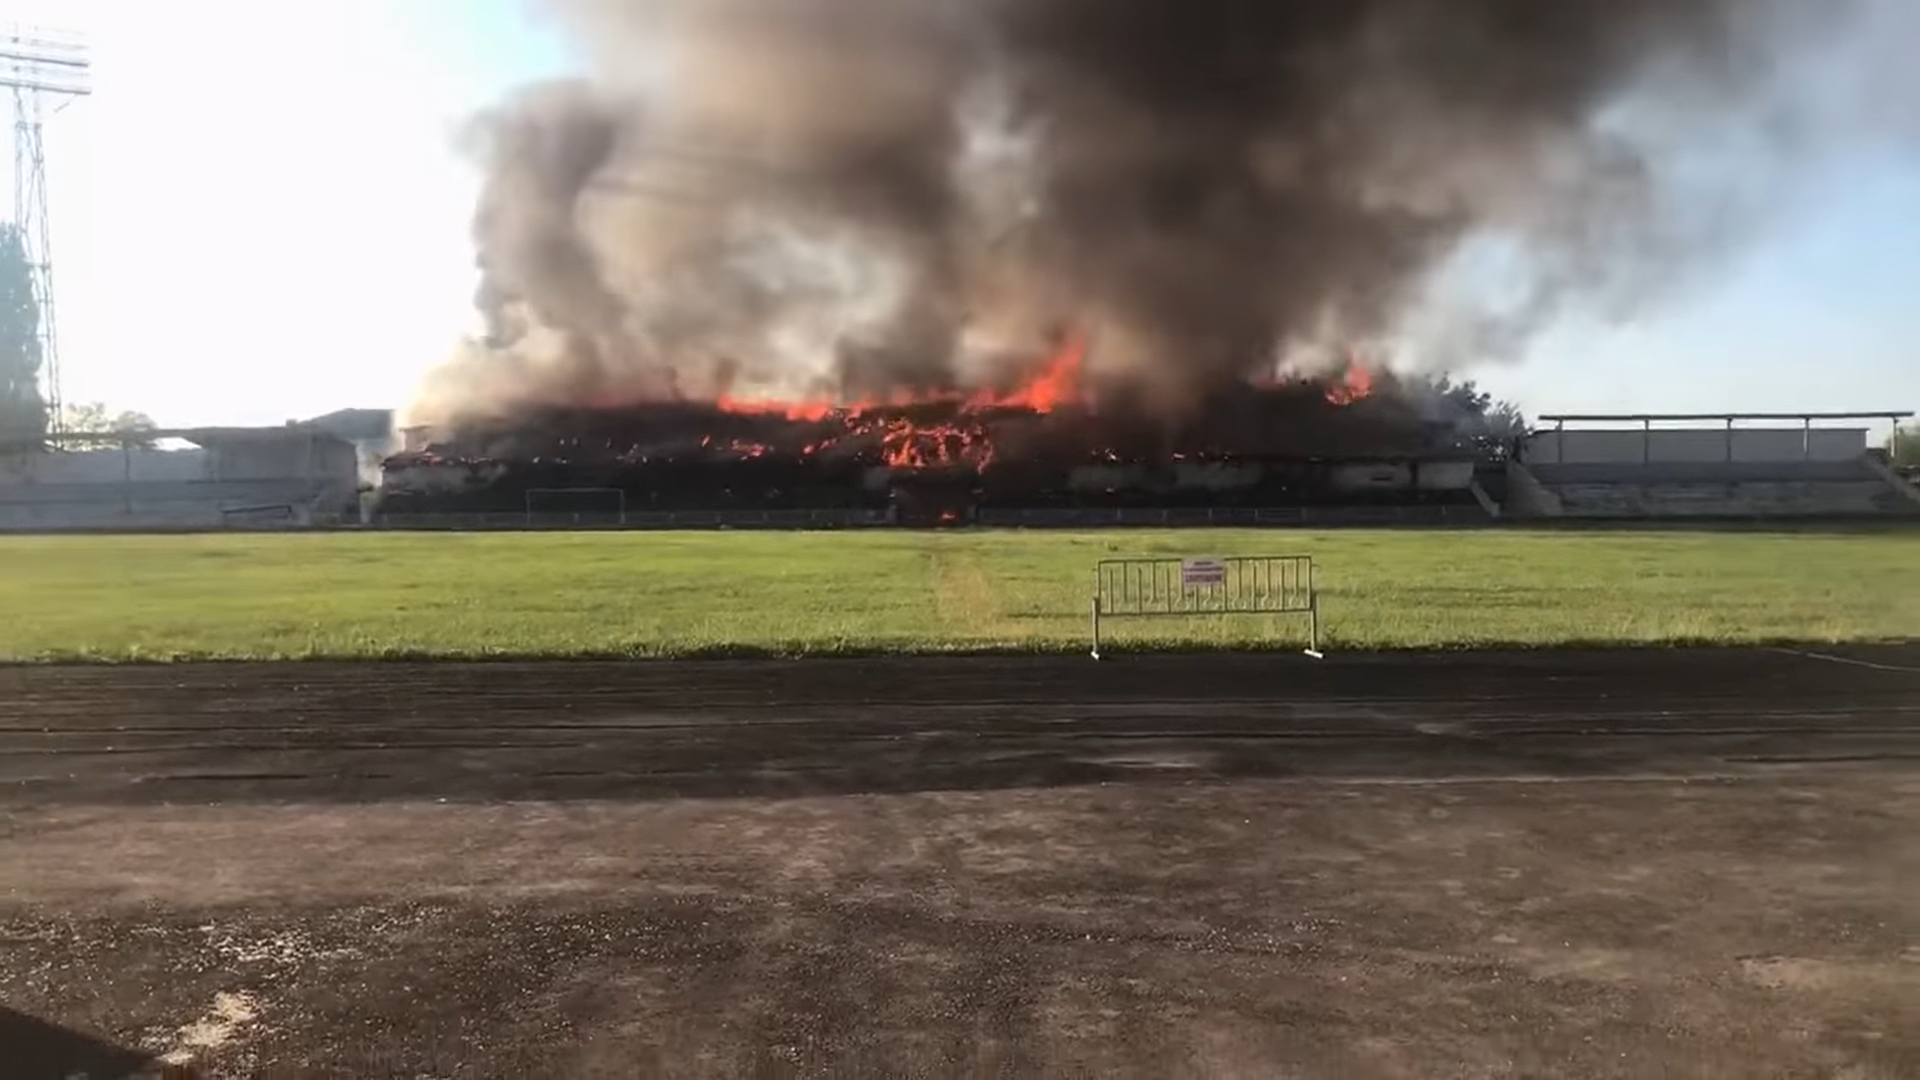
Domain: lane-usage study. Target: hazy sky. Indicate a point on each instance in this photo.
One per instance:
(260, 215)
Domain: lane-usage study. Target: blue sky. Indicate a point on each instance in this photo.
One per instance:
(259, 215)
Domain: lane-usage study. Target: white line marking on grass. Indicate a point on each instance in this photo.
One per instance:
(1849, 661)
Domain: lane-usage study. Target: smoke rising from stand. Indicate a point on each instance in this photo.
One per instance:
(845, 199)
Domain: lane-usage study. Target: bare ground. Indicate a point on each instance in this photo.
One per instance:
(1566, 865)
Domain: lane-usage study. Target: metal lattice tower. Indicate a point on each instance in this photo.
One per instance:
(45, 70)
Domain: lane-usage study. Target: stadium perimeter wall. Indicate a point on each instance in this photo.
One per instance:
(301, 478)
(261, 478)
(1638, 446)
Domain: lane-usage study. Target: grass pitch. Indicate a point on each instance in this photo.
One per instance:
(667, 594)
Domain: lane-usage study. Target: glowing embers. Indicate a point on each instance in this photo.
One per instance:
(907, 445)
(1049, 414)
(907, 438)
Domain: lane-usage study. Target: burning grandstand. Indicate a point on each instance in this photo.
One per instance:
(818, 253)
(1044, 443)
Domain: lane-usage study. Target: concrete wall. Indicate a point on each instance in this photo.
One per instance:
(1836, 444)
(1774, 444)
(1383, 476)
(265, 480)
(1632, 446)
(160, 505)
(1755, 499)
(1216, 476)
(115, 466)
(275, 458)
(1717, 472)
(1106, 478)
(1402, 476)
(1444, 476)
(1372, 476)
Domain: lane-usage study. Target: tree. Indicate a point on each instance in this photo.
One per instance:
(1903, 446)
(1474, 412)
(114, 429)
(23, 412)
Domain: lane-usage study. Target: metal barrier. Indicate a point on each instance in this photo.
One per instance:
(1238, 585)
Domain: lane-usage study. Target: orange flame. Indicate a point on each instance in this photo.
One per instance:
(1356, 382)
(960, 437)
(1055, 384)
(905, 444)
(808, 411)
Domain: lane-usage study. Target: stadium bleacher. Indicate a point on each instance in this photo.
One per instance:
(1722, 471)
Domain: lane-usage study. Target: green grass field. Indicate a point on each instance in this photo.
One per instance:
(663, 594)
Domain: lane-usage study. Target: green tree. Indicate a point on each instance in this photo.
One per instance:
(1475, 412)
(1903, 446)
(23, 412)
(114, 429)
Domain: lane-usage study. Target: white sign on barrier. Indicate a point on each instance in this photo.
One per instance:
(1195, 573)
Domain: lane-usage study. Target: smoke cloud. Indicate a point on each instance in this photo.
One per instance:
(841, 198)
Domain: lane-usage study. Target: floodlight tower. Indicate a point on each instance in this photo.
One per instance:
(46, 70)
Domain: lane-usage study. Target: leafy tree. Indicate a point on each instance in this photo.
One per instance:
(1474, 412)
(1903, 446)
(114, 429)
(23, 412)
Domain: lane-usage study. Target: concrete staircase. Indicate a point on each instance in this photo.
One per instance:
(1527, 497)
(1901, 485)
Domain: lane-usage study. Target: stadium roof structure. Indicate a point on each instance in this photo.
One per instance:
(199, 436)
(1729, 418)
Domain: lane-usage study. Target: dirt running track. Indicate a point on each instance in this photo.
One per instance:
(1553, 865)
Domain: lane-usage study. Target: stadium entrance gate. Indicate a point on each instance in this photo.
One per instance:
(1239, 585)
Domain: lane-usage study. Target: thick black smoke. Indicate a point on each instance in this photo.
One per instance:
(804, 198)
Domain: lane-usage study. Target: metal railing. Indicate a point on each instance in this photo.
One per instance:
(1236, 585)
(634, 520)
(1357, 515)
(611, 517)
(576, 506)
